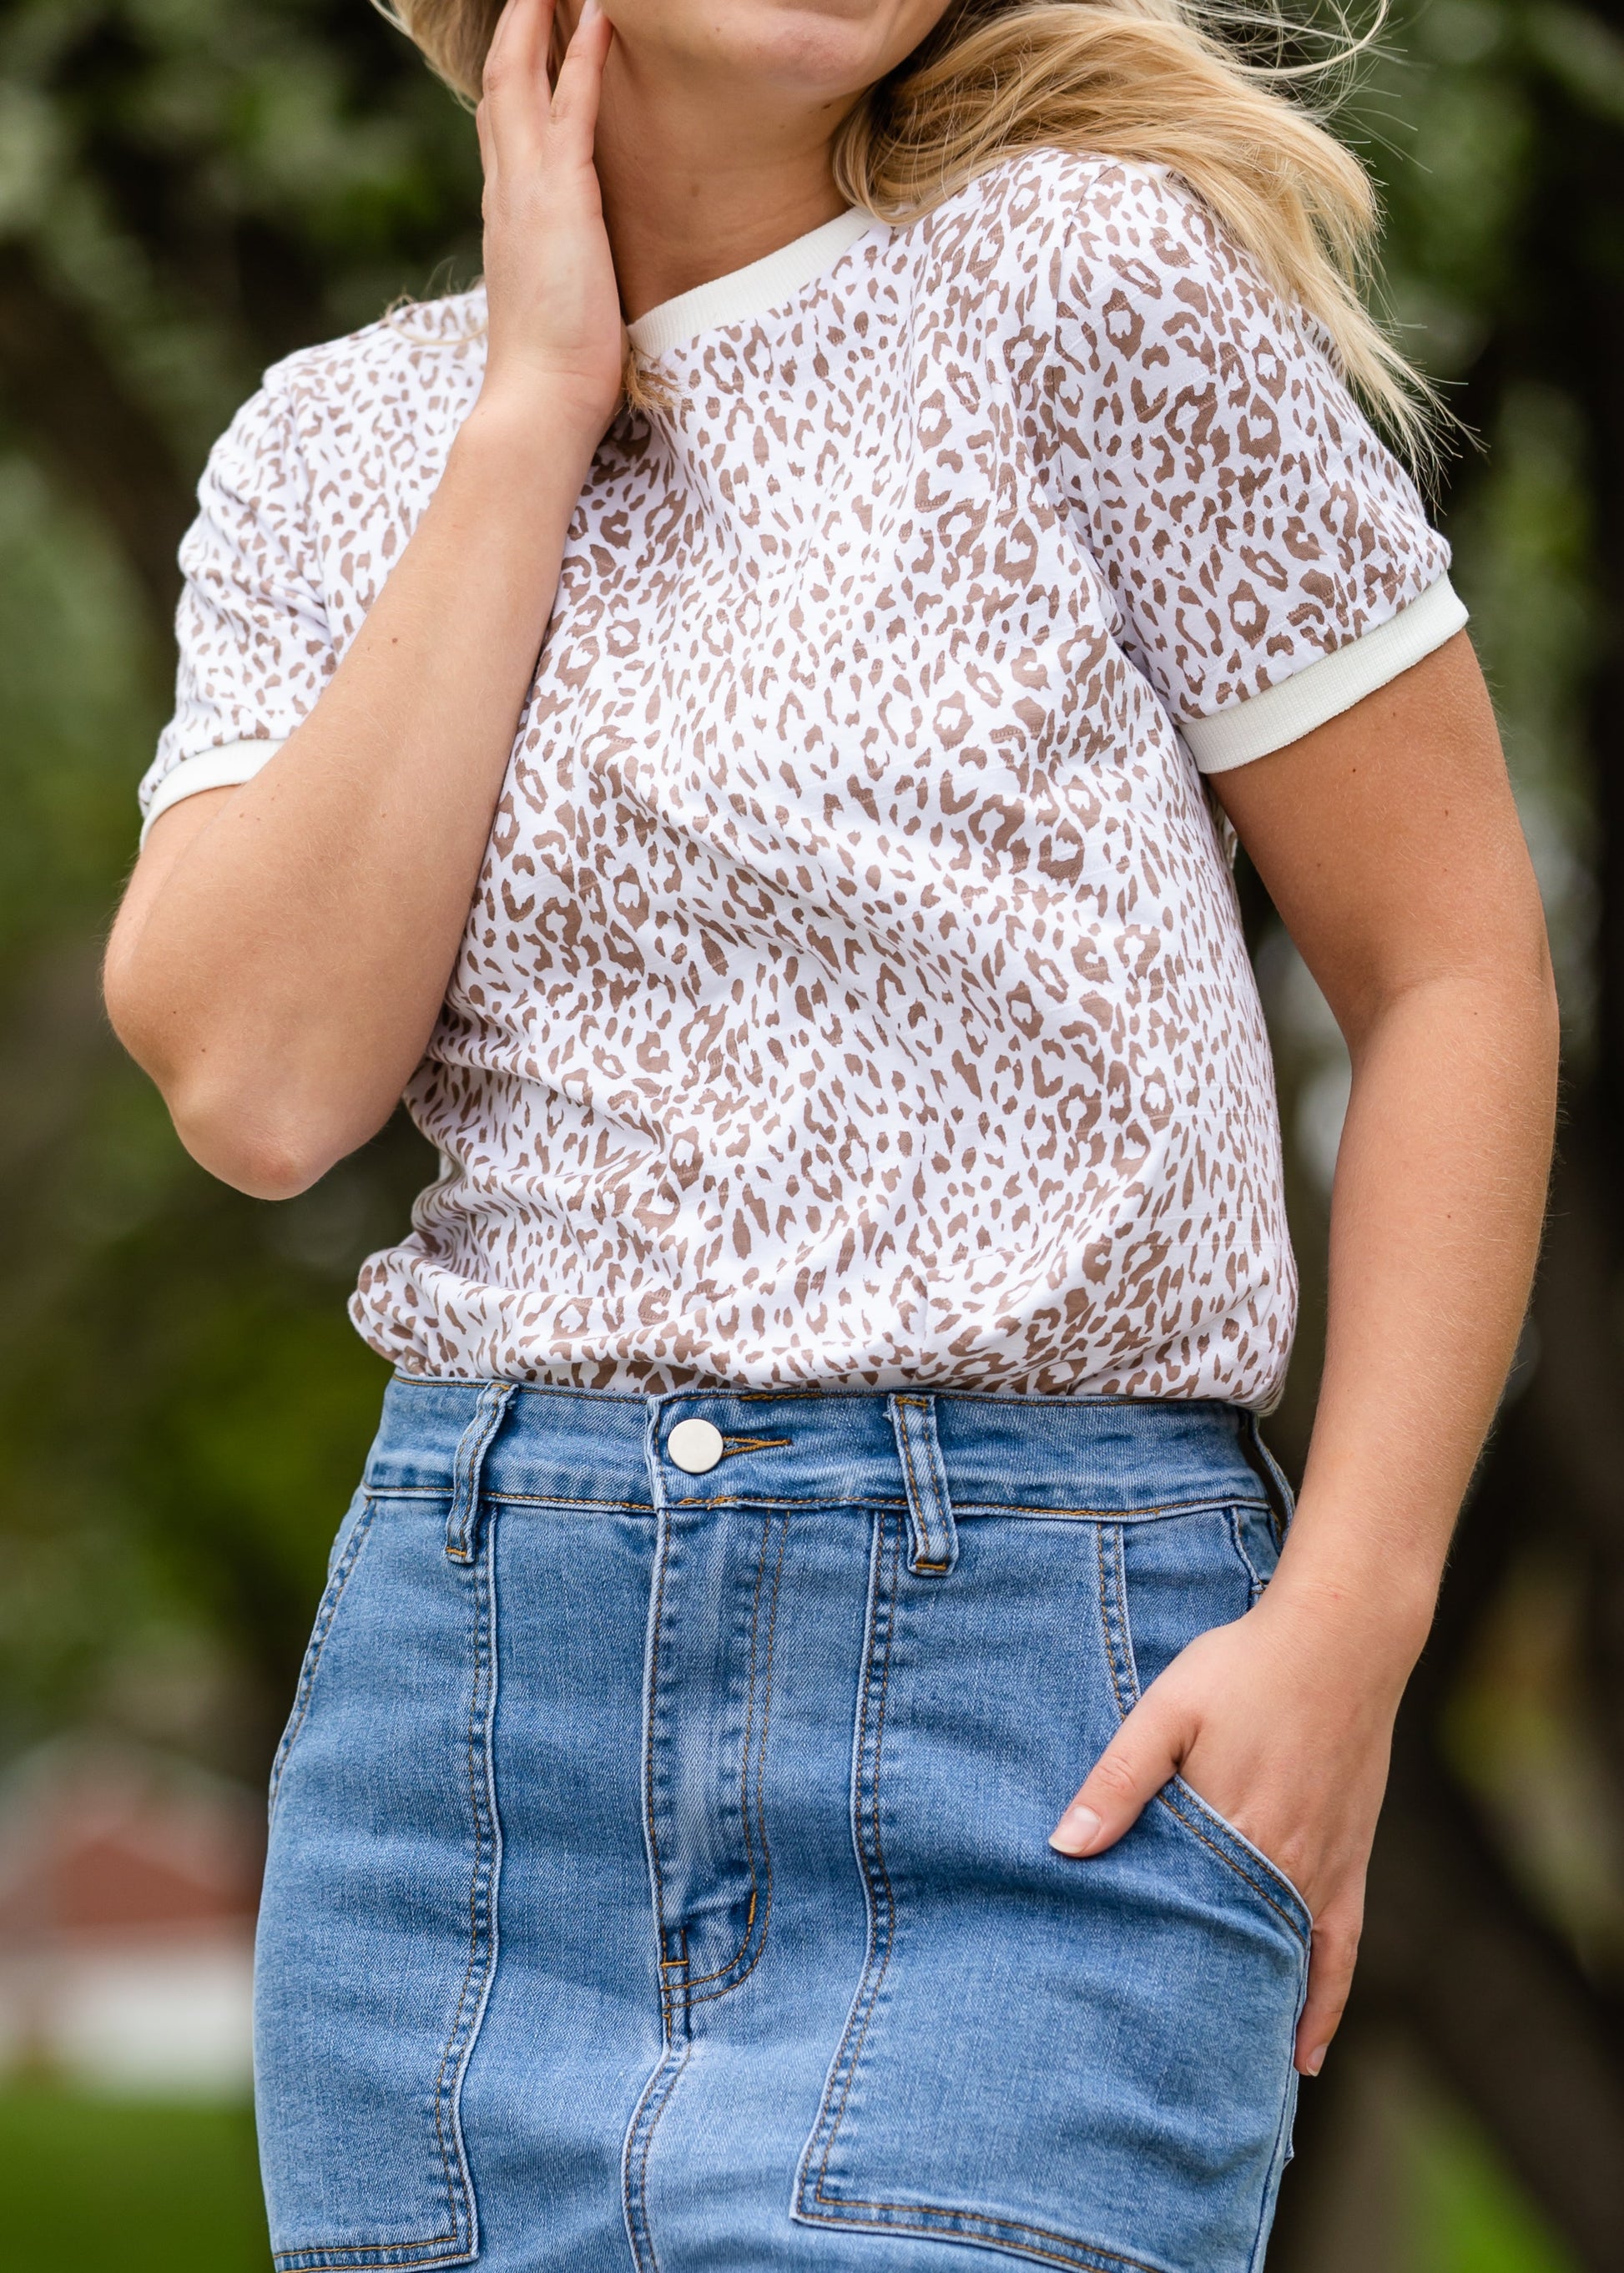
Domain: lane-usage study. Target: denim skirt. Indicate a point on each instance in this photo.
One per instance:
(659, 1878)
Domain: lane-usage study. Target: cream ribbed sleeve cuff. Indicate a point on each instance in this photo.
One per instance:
(1285, 712)
(221, 769)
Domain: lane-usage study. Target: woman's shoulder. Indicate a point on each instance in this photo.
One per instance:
(419, 355)
(1079, 218)
(375, 409)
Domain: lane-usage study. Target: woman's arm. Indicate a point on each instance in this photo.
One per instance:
(1390, 845)
(284, 949)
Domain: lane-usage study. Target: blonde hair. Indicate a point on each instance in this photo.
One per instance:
(1197, 87)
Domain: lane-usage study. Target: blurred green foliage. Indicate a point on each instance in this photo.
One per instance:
(170, 2190)
(213, 176)
(206, 184)
(1465, 2217)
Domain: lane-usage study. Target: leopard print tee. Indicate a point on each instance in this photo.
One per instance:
(854, 991)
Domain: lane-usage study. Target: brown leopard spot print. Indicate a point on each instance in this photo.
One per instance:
(854, 992)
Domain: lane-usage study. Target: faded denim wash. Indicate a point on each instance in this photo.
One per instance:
(659, 1878)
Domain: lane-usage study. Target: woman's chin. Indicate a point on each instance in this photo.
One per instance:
(817, 51)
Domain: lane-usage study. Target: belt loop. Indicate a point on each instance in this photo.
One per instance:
(930, 1511)
(462, 1523)
(1282, 1504)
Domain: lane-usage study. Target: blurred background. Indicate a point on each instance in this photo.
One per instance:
(190, 188)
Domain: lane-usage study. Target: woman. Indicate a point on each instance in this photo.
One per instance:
(824, 1428)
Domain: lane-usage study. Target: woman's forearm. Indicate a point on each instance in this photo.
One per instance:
(1390, 842)
(280, 977)
(1440, 1190)
(279, 962)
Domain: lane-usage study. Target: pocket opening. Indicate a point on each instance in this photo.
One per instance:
(1198, 1817)
(352, 1536)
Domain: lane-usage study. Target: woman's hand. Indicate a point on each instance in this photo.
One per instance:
(555, 329)
(1286, 1735)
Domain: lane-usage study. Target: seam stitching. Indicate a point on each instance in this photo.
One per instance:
(662, 2082)
(699, 1980)
(326, 1612)
(1224, 1856)
(905, 2217)
(918, 1521)
(495, 1496)
(355, 2259)
(468, 1474)
(756, 1741)
(895, 2217)
(929, 2218)
(883, 1911)
(970, 1507)
(476, 1888)
(460, 2240)
(648, 1762)
(710, 1996)
(655, 2099)
(1254, 1583)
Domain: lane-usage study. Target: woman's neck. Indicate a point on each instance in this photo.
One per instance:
(702, 172)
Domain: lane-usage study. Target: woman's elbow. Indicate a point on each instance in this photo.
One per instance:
(243, 1133)
(259, 1140)
(254, 1150)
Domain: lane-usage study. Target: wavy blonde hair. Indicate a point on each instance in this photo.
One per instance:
(1201, 86)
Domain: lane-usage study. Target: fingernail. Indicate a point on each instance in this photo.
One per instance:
(589, 9)
(1316, 2059)
(1076, 1832)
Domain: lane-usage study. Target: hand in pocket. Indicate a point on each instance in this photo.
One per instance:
(1288, 1741)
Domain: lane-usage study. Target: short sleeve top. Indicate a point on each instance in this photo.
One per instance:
(855, 990)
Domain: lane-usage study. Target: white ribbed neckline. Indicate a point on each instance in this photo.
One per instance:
(748, 292)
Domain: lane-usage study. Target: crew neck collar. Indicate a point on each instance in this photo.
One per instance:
(748, 292)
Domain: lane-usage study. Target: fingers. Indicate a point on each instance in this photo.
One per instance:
(513, 106)
(1140, 1757)
(518, 114)
(581, 74)
(518, 45)
(1330, 1976)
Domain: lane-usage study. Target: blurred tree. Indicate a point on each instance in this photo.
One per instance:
(190, 188)
(1493, 1937)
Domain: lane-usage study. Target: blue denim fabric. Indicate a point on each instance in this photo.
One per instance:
(660, 1875)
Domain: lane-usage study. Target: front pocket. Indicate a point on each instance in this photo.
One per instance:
(347, 1546)
(1160, 1584)
(1082, 2064)
(377, 1935)
(1204, 1823)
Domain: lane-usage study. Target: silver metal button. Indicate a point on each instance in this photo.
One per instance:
(695, 1446)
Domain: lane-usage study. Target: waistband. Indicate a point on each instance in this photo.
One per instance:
(1112, 1460)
